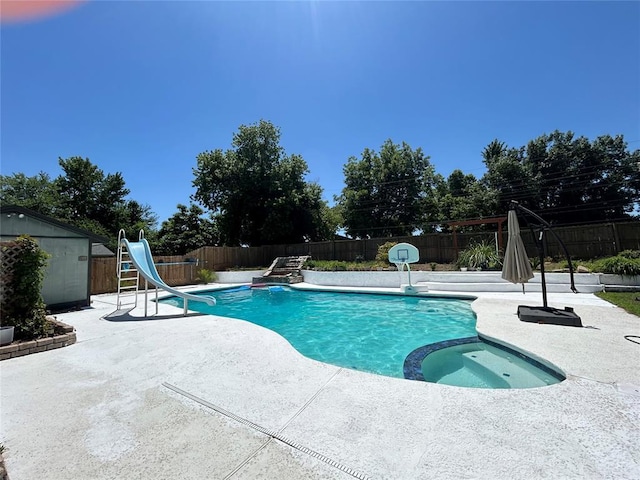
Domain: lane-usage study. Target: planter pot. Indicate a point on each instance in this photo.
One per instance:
(6, 335)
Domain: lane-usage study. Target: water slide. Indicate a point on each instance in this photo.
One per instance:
(141, 257)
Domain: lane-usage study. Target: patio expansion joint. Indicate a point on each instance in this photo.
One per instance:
(273, 434)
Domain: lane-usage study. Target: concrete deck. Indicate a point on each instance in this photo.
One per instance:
(142, 399)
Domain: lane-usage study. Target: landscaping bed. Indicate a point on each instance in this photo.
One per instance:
(61, 335)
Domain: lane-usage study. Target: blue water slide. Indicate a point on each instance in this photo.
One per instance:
(141, 257)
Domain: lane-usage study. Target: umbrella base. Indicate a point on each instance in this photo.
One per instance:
(566, 317)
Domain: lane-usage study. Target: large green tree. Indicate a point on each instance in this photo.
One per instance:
(187, 230)
(463, 197)
(38, 193)
(257, 192)
(82, 196)
(568, 179)
(385, 193)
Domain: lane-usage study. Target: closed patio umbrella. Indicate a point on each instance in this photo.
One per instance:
(516, 267)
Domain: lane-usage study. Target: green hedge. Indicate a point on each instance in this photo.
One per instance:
(619, 265)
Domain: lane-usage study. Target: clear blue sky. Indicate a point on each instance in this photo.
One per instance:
(143, 87)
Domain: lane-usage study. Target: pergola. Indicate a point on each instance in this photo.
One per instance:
(480, 221)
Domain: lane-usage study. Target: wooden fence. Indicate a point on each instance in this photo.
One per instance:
(582, 241)
(173, 270)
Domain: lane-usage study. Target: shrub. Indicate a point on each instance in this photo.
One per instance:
(633, 254)
(206, 276)
(618, 265)
(340, 266)
(22, 305)
(336, 265)
(383, 252)
(479, 255)
(535, 262)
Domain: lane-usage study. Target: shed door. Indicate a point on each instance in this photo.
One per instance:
(68, 271)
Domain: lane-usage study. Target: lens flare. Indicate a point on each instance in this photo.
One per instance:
(24, 10)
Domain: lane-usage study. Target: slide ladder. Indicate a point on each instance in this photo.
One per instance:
(128, 276)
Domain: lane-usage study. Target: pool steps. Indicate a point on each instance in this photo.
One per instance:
(484, 369)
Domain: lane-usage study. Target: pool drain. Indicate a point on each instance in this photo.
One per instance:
(270, 433)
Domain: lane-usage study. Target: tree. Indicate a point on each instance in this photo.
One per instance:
(185, 231)
(37, 193)
(495, 149)
(97, 202)
(462, 197)
(568, 179)
(258, 193)
(357, 201)
(82, 196)
(385, 194)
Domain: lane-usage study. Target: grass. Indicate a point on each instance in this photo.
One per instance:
(626, 300)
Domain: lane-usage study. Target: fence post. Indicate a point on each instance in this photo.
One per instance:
(616, 239)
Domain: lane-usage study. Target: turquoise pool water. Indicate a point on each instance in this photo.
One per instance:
(368, 332)
(480, 365)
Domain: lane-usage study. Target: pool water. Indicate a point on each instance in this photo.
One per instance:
(368, 332)
(480, 365)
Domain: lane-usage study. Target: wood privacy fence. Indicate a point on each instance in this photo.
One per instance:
(174, 270)
(582, 241)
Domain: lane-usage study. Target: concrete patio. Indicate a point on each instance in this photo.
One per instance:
(205, 397)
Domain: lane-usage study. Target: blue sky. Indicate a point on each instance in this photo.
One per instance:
(142, 87)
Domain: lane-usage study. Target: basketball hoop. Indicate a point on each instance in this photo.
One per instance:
(403, 254)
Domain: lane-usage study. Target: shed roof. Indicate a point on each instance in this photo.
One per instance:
(7, 209)
(99, 250)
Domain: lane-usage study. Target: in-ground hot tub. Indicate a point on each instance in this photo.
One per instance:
(474, 363)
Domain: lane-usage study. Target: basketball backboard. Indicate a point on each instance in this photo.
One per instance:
(404, 253)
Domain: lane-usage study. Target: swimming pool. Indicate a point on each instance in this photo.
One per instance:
(368, 332)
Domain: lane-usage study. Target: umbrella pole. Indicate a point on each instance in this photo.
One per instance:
(542, 256)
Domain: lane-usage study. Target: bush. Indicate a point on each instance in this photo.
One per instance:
(22, 306)
(479, 255)
(618, 265)
(206, 276)
(337, 265)
(633, 254)
(535, 262)
(383, 252)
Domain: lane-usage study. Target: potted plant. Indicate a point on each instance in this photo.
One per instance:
(6, 335)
